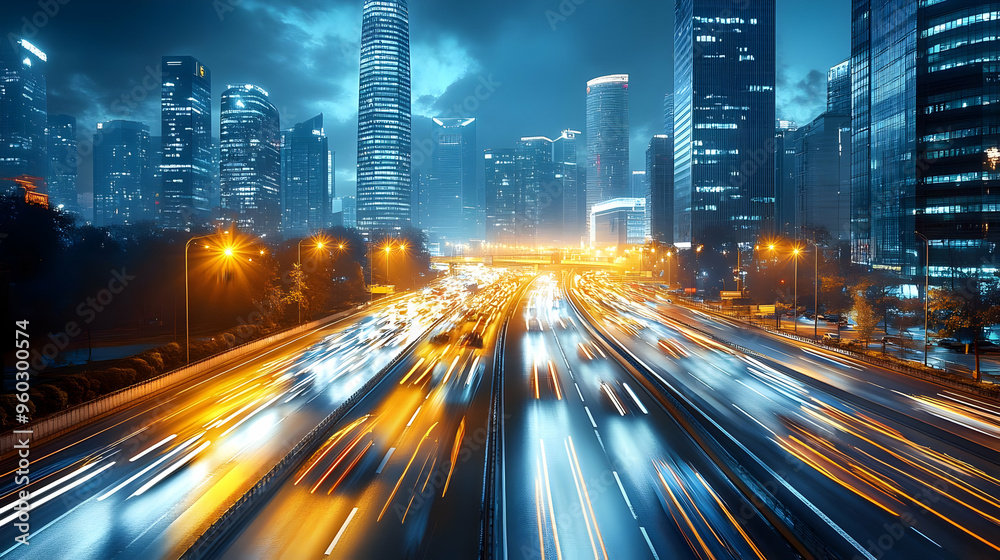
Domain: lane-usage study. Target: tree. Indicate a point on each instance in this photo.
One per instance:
(865, 316)
(297, 290)
(966, 312)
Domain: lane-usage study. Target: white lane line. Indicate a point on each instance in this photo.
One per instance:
(592, 423)
(624, 495)
(650, 543)
(412, 418)
(384, 461)
(579, 393)
(747, 414)
(340, 532)
(926, 537)
(601, 441)
(635, 398)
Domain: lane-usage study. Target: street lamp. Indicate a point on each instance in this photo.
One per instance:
(927, 278)
(228, 252)
(319, 245)
(795, 299)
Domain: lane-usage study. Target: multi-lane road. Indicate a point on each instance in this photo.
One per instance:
(592, 461)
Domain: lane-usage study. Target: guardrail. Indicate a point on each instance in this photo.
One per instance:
(206, 543)
(926, 375)
(74, 417)
(683, 410)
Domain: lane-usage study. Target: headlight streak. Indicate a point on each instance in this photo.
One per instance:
(39, 503)
(170, 470)
(149, 449)
(161, 460)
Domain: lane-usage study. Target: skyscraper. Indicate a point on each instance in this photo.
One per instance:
(786, 218)
(668, 114)
(23, 112)
(637, 187)
(538, 218)
(452, 212)
(607, 139)
(838, 89)
(62, 162)
(250, 164)
(571, 185)
(306, 196)
(122, 174)
(501, 196)
(924, 142)
(384, 118)
(823, 176)
(660, 176)
(724, 74)
(186, 129)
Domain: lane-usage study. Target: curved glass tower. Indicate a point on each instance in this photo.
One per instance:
(249, 170)
(384, 118)
(608, 174)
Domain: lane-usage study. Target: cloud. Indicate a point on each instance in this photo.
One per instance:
(801, 100)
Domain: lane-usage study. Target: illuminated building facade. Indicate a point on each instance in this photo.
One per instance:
(724, 75)
(249, 156)
(186, 128)
(123, 189)
(451, 211)
(384, 182)
(501, 196)
(62, 154)
(23, 111)
(306, 193)
(607, 139)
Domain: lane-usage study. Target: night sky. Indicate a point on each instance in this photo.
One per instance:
(305, 54)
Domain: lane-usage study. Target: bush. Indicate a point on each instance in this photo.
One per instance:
(142, 368)
(48, 399)
(154, 359)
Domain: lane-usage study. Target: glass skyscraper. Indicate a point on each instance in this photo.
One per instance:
(452, 209)
(924, 139)
(306, 193)
(501, 196)
(607, 139)
(186, 129)
(122, 174)
(785, 213)
(62, 162)
(574, 196)
(724, 75)
(660, 176)
(249, 156)
(539, 206)
(838, 89)
(384, 181)
(23, 111)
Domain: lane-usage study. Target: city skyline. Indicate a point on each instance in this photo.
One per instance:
(450, 64)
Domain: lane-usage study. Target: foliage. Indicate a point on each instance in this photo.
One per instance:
(864, 315)
(969, 309)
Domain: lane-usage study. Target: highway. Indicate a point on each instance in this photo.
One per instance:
(886, 462)
(401, 476)
(146, 481)
(593, 467)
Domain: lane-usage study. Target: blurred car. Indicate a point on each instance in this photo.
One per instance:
(831, 337)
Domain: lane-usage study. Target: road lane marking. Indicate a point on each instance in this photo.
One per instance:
(385, 459)
(754, 419)
(926, 537)
(579, 393)
(340, 533)
(600, 441)
(624, 495)
(650, 543)
(592, 423)
(412, 418)
(635, 398)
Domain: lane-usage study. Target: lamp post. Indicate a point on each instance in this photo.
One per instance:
(816, 293)
(795, 298)
(319, 245)
(927, 278)
(388, 249)
(187, 298)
